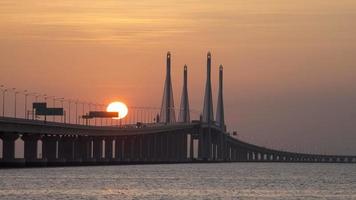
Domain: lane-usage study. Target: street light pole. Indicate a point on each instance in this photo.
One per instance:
(15, 94)
(95, 108)
(54, 105)
(4, 90)
(83, 111)
(62, 99)
(69, 102)
(76, 112)
(26, 94)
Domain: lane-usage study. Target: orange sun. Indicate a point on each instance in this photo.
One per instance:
(119, 107)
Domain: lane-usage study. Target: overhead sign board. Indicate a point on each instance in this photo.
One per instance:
(41, 109)
(102, 114)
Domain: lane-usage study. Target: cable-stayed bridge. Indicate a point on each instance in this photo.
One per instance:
(146, 135)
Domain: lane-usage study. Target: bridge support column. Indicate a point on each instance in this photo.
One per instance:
(140, 148)
(127, 149)
(156, 148)
(204, 152)
(191, 147)
(119, 149)
(30, 147)
(97, 148)
(8, 143)
(66, 148)
(184, 148)
(82, 149)
(108, 148)
(49, 148)
(144, 147)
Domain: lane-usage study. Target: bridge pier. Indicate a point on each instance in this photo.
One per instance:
(184, 152)
(205, 147)
(30, 148)
(97, 148)
(119, 148)
(82, 145)
(49, 148)
(191, 147)
(8, 143)
(109, 148)
(66, 148)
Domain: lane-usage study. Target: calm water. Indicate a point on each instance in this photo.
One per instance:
(183, 181)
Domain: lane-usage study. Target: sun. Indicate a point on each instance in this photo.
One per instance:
(119, 107)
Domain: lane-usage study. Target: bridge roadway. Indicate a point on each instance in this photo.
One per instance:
(72, 144)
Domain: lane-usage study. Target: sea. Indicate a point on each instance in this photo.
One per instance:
(182, 181)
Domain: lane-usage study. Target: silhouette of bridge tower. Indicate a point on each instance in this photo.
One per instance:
(167, 114)
(184, 113)
(208, 115)
(220, 119)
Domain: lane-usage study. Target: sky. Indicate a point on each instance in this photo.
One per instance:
(289, 65)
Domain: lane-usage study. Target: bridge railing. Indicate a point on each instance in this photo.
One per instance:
(17, 103)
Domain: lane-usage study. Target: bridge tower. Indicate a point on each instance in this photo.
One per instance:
(184, 114)
(220, 119)
(205, 139)
(167, 114)
(208, 115)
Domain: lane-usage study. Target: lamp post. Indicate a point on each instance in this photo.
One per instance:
(101, 119)
(54, 105)
(15, 95)
(76, 112)
(83, 111)
(45, 99)
(69, 102)
(26, 94)
(95, 110)
(61, 100)
(4, 90)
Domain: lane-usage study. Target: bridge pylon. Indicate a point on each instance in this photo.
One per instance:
(220, 119)
(205, 145)
(184, 113)
(167, 114)
(208, 114)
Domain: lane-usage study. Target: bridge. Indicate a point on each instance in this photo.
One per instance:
(160, 138)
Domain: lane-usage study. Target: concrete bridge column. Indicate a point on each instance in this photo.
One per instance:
(184, 148)
(78, 149)
(30, 146)
(162, 144)
(66, 148)
(145, 149)
(82, 149)
(137, 148)
(8, 143)
(205, 141)
(108, 148)
(118, 148)
(213, 150)
(97, 148)
(181, 146)
(234, 154)
(244, 156)
(142, 149)
(49, 148)
(152, 148)
(167, 146)
(191, 147)
(172, 143)
(133, 148)
(127, 148)
(155, 147)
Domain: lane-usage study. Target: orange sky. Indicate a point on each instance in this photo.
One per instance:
(289, 65)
